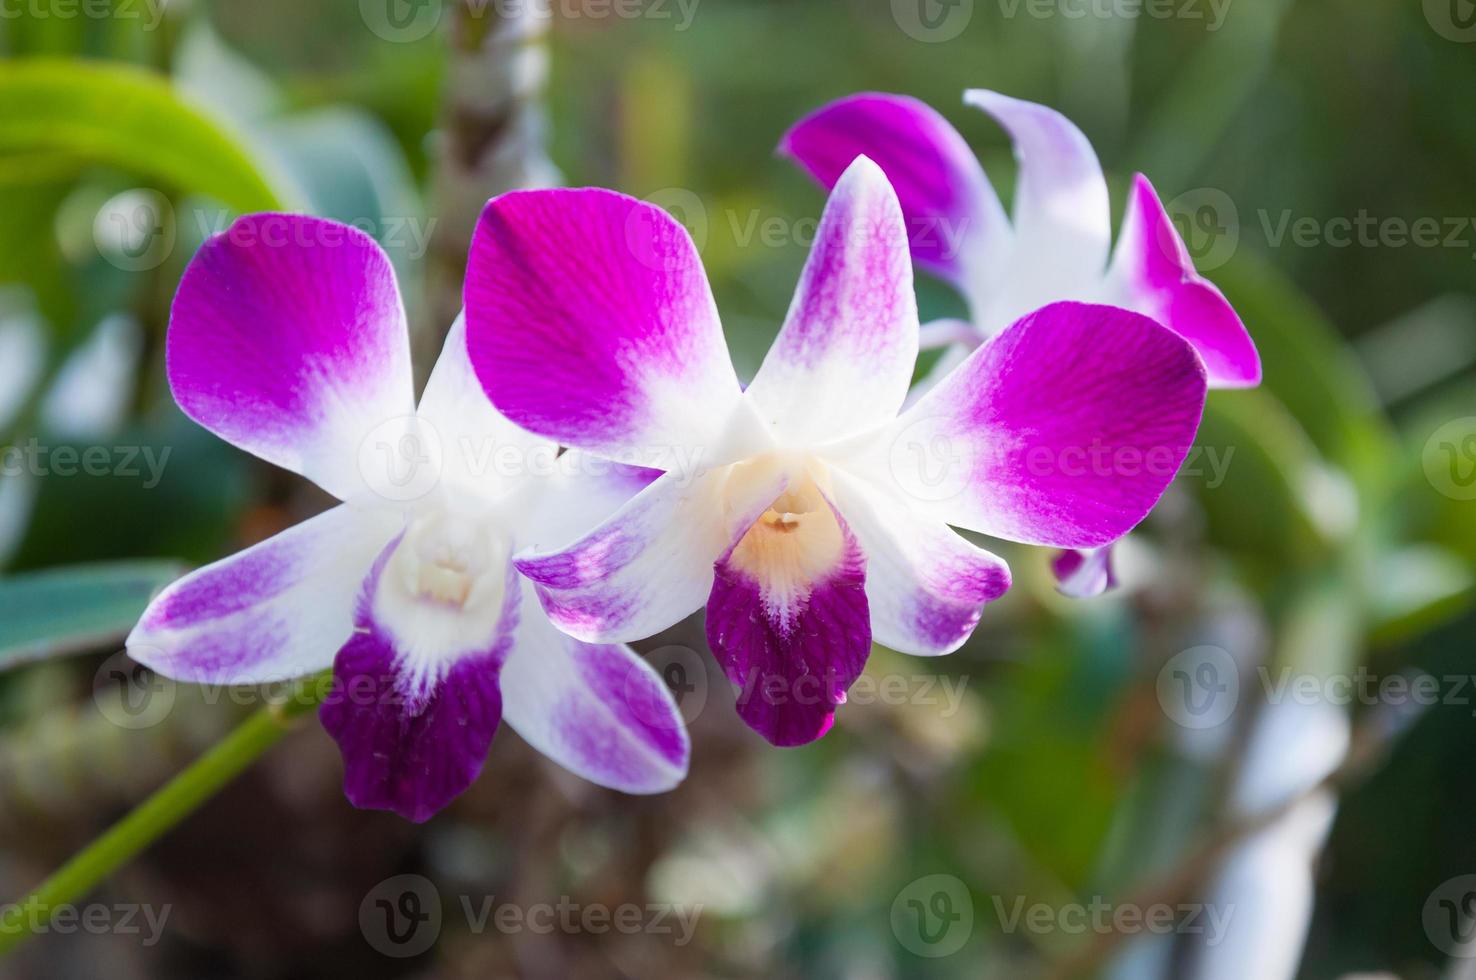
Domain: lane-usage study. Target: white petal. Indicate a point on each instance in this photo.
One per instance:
(277, 610)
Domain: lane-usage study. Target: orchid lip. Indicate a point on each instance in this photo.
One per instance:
(445, 584)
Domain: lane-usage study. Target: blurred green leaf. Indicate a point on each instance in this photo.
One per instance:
(1311, 369)
(1415, 590)
(75, 608)
(125, 117)
(1263, 509)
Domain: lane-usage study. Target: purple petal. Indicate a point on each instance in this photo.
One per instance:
(844, 358)
(953, 217)
(288, 339)
(1155, 273)
(788, 622)
(276, 610)
(600, 711)
(1062, 219)
(413, 729)
(1084, 574)
(651, 564)
(925, 584)
(1063, 431)
(590, 321)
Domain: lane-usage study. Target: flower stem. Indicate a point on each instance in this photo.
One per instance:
(156, 815)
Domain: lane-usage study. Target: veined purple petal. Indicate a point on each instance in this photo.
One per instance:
(651, 563)
(413, 725)
(788, 620)
(926, 586)
(590, 321)
(1062, 219)
(1084, 574)
(1063, 431)
(288, 339)
(1154, 273)
(844, 358)
(599, 710)
(954, 220)
(275, 611)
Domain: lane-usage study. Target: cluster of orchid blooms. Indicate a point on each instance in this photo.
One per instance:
(590, 338)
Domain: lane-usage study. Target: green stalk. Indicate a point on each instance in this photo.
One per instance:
(156, 815)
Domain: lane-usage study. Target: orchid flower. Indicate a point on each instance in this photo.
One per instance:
(1055, 249)
(818, 520)
(288, 339)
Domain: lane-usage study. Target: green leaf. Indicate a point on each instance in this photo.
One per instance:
(1312, 370)
(1272, 509)
(76, 608)
(128, 118)
(1417, 589)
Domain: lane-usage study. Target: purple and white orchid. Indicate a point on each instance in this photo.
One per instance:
(820, 518)
(288, 339)
(1056, 248)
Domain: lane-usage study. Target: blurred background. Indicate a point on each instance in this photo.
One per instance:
(1251, 761)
